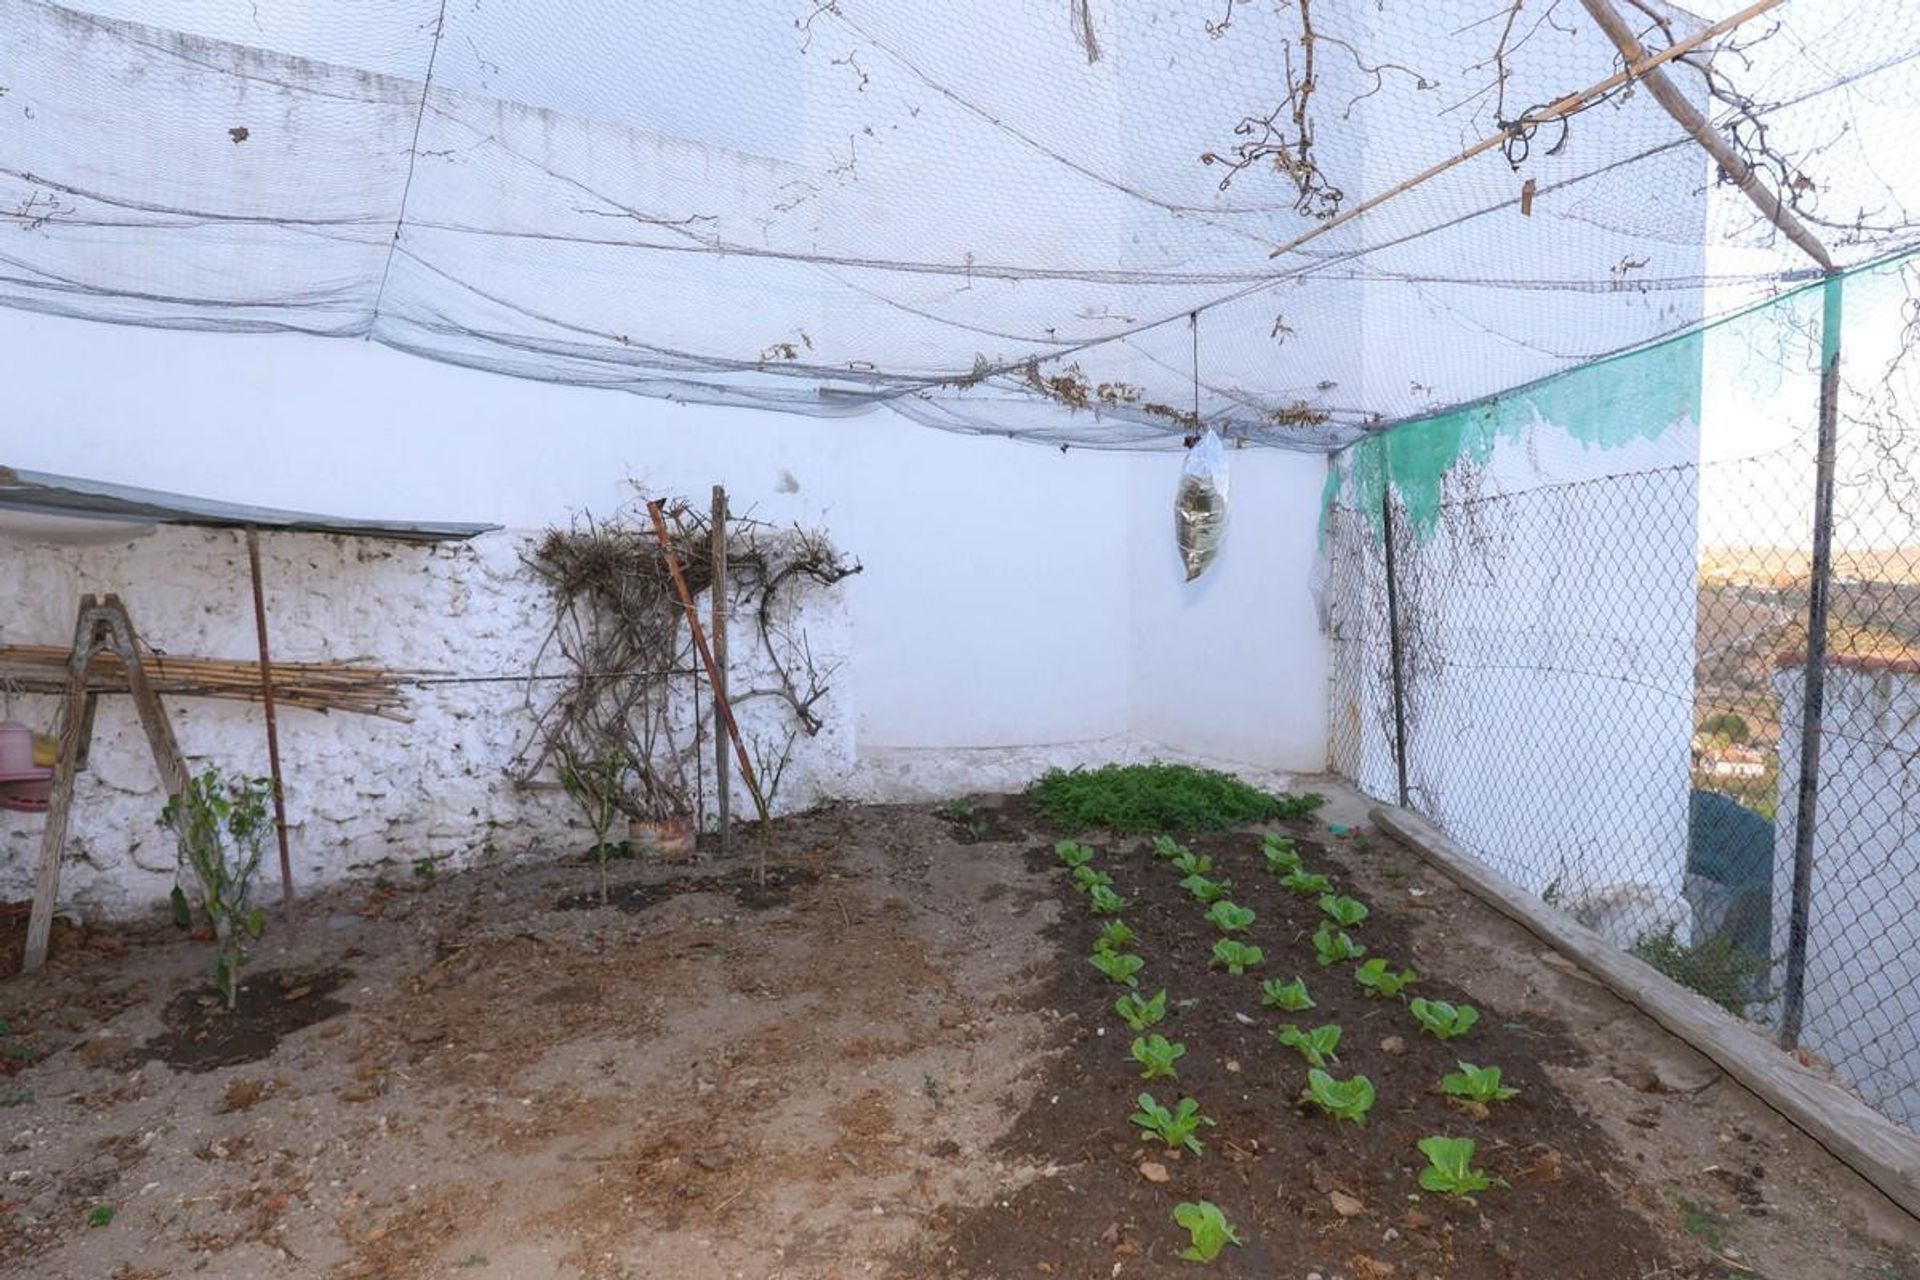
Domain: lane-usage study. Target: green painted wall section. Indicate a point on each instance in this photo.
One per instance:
(1605, 405)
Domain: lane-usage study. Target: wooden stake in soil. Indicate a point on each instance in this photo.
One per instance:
(273, 723)
(722, 776)
(720, 704)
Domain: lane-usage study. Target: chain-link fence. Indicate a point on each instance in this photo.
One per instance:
(1588, 634)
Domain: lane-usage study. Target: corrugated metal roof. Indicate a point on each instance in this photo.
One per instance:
(39, 492)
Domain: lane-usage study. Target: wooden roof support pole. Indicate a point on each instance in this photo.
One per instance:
(1675, 102)
(273, 723)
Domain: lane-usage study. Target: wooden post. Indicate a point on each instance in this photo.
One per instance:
(721, 705)
(74, 724)
(101, 625)
(273, 723)
(722, 771)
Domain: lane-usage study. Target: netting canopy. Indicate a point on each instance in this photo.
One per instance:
(1046, 218)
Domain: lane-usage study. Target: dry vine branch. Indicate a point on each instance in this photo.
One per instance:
(621, 631)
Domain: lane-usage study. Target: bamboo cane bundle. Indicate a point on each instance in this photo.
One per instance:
(352, 685)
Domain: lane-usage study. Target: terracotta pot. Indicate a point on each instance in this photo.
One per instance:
(661, 837)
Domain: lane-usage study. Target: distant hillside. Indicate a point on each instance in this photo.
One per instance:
(1786, 566)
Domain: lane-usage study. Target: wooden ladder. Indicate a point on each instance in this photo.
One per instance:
(103, 626)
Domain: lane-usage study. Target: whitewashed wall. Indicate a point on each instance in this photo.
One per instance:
(1863, 936)
(1019, 607)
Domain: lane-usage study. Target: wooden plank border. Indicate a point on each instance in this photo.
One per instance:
(1869, 1143)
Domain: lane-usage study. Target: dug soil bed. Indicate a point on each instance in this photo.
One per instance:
(1308, 1195)
(745, 886)
(204, 1035)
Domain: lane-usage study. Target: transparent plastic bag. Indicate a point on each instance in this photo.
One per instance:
(1200, 504)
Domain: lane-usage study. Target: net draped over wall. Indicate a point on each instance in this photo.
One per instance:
(1048, 218)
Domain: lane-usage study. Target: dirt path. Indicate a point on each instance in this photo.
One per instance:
(829, 1078)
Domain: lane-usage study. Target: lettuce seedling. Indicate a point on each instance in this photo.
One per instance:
(1114, 936)
(1331, 945)
(1189, 863)
(1140, 1014)
(1072, 853)
(1342, 910)
(1316, 1046)
(1341, 1099)
(1307, 884)
(1476, 1084)
(1167, 847)
(1450, 1168)
(1446, 1021)
(1206, 890)
(1280, 854)
(1177, 1127)
(1105, 902)
(1228, 917)
(1238, 957)
(1207, 1227)
(1291, 996)
(1380, 980)
(1118, 966)
(1086, 878)
(1157, 1054)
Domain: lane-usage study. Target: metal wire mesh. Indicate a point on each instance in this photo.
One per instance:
(1604, 662)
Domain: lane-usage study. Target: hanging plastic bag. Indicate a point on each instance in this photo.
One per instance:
(1200, 505)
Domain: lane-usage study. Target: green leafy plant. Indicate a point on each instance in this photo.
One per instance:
(1716, 968)
(1168, 847)
(221, 825)
(1072, 853)
(1450, 1168)
(1316, 1046)
(1086, 878)
(1207, 890)
(1176, 1128)
(1308, 884)
(1447, 1021)
(1341, 1099)
(100, 1215)
(1207, 1228)
(1476, 1084)
(1118, 966)
(1293, 808)
(1140, 1014)
(1105, 902)
(1234, 956)
(1291, 996)
(1380, 979)
(598, 788)
(1280, 854)
(1144, 798)
(1157, 1055)
(1114, 936)
(1229, 917)
(1189, 863)
(1342, 910)
(1331, 945)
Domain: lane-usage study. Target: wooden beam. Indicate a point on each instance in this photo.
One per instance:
(722, 772)
(1869, 1143)
(75, 725)
(1670, 97)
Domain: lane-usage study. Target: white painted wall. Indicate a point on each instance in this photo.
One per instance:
(1863, 921)
(1197, 645)
(1019, 607)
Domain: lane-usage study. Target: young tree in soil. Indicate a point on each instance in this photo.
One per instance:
(222, 826)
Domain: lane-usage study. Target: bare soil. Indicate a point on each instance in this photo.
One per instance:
(851, 1072)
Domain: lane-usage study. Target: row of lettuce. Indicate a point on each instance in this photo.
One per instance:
(1118, 955)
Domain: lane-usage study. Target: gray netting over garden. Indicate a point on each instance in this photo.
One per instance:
(1053, 218)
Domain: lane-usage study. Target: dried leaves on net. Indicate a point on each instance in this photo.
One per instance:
(620, 630)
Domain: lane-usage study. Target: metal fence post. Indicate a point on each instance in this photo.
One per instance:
(1793, 1004)
(1393, 646)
